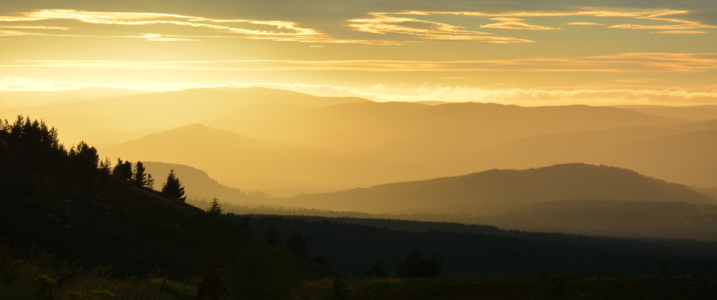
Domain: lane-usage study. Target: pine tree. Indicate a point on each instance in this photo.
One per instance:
(297, 244)
(123, 170)
(273, 238)
(150, 182)
(173, 187)
(139, 178)
(216, 208)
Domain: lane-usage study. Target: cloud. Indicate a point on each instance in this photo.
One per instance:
(517, 26)
(456, 78)
(279, 30)
(584, 24)
(499, 19)
(680, 32)
(159, 38)
(658, 15)
(528, 97)
(36, 27)
(17, 33)
(619, 63)
(383, 24)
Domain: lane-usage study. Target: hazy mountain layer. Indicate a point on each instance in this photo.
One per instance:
(501, 190)
(252, 164)
(16, 99)
(198, 185)
(411, 129)
(698, 112)
(178, 108)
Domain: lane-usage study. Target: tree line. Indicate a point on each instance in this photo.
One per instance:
(32, 159)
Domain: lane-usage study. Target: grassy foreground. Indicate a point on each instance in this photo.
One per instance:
(589, 287)
(41, 276)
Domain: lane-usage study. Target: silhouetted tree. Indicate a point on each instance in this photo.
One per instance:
(215, 209)
(297, 244)
(273, 238)
(416, 265)
(105, 167)
(377, 270)
(149, 183)
(322, 260)
(173, 187)
(139, 178)
(123, 170)
(83, 162)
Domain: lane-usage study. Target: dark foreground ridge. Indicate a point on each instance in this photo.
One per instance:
(62, 202)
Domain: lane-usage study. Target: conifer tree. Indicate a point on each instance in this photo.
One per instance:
(123, 170)
(273, 238)
(139, 178)
(216, 208)
(297, 244)
(150, 182)
(173, 187)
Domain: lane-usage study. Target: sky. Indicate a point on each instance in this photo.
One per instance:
(525, 52)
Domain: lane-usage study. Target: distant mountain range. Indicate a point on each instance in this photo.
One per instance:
(252, 164)
(17, 99)
(496, 191)
(199, 186)
(287, 143)
(173, 109)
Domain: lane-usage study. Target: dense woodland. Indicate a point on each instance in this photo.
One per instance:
(354, 245)
(68, 203)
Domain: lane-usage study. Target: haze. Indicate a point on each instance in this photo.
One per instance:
(377, 107)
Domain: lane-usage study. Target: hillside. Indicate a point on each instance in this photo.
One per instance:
(200, 186)
(501, 190)
(620, 147)
(407, 129)
(353, 245)
(252, 164)
(696, 112)
(684, 158)
(62, 202)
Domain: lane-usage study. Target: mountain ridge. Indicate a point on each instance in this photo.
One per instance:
(506, 188)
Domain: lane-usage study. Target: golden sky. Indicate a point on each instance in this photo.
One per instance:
(520, 52)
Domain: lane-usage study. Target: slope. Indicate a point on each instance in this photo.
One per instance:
(684, 158)
(60, 201)
(199, 186)
(255, 165)
(697, 112)
(403, 131)
(500, 190)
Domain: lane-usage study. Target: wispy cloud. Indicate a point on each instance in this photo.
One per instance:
(276, 30)
(160, 38)
(681, 32)
(517, 26)
(528, 97)
(513, 20)
(35, 27)
(585, 24)
(620, 63)
(382, 23)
